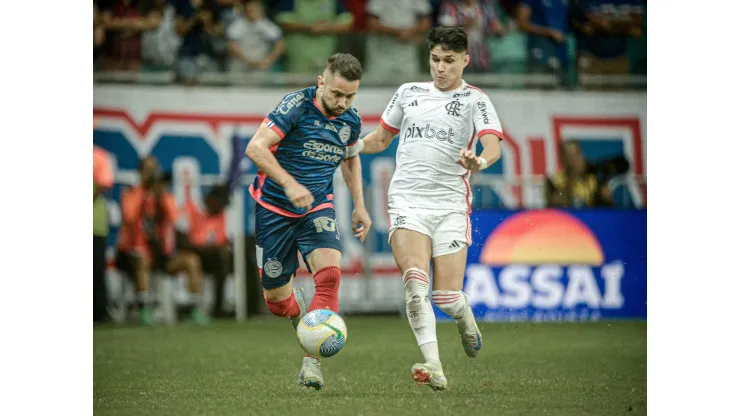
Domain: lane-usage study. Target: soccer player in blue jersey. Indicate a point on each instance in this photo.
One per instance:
(298, 148)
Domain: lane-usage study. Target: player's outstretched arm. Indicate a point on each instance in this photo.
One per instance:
(490, 155)
(258, 150)
(352, 174)
(377, 141)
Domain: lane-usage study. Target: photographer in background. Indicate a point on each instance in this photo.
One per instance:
(580, 184)
(207, 238)
(147, 240)
(102, 182)
(198, 23)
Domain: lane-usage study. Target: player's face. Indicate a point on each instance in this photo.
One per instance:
(447, 67)
(337, 93)
(253, 10)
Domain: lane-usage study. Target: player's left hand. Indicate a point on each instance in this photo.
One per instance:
(469, 160)
(361, 224)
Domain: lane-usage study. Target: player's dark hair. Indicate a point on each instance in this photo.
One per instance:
(449, 38)
(345, 65)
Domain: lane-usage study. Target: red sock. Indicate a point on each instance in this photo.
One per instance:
(285, 307)
(327, 289)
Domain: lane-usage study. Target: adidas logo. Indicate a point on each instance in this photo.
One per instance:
(455, 244)
(413, 104)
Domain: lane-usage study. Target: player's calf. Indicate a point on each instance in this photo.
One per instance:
(451, 302)
(420, 312)
(455, 304)
(324, 263)
(327, 289)
(285, 307)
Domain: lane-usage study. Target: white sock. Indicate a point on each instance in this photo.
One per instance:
(451, 302)
(420, 312)
(431, 352)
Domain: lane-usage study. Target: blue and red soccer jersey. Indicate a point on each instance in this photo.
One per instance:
(312, 147)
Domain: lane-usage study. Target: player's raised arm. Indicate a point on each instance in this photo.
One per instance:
(258, 150)
(377, 141)
(390, 122)
(352, 174)
(489, 131)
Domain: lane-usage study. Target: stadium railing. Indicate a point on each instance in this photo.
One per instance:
(282, 79)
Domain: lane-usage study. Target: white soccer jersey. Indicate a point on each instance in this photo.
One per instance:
(432, 127)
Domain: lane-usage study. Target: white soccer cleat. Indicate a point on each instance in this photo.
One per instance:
(301, 299)
(310, 374)
(430, 374)
(470, 335)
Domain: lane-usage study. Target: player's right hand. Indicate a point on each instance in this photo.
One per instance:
(299, 196)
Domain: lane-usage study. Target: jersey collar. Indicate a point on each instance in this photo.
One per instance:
(462, 86)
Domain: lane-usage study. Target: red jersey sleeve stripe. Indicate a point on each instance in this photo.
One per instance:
(271, 124)
(388, 127)
(491, 131)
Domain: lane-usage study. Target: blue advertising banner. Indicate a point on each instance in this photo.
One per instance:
(553, 265)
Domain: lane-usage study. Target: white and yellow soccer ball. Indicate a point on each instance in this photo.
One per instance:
(322, 333)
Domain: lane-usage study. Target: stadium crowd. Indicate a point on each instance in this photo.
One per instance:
(235, 37)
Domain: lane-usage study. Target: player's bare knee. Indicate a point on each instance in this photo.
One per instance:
(278, 294)
(410, 263)
(277, 299)
(324, 257)
(409, 259)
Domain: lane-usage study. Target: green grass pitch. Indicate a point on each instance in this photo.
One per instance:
(250, 368)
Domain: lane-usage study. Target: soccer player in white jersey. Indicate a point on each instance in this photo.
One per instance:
(438, 124)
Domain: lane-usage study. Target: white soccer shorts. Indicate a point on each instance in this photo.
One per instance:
(450, 231)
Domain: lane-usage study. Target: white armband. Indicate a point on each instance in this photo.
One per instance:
(355, 150)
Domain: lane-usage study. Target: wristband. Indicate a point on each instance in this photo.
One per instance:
(355, 150)
(482, 163)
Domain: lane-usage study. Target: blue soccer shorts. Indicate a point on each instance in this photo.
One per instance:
(280, 238)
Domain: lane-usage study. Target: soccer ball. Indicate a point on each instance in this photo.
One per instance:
(322, 333)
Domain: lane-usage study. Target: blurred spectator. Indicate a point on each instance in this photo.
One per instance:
(603, 28)
(102, 182)
(436, 6)
(124, 22)
(159, 46)
(546, 25)
(147, 240)
(311, 28)
(98, 32)
(509, 7)
(577, 185)
(207, 237)
(358, 8)
(354, 42)
(196, 23)
(396, 30)
(255, 43)
(226, 13)
(479, 19)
